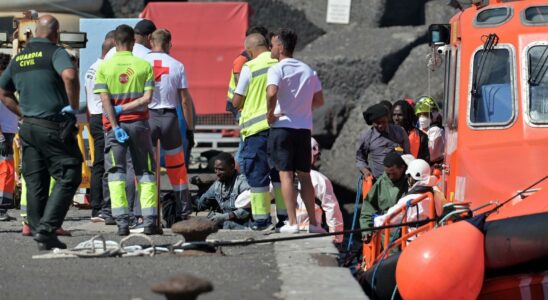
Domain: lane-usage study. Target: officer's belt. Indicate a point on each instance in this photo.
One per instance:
(163, 110)
(43, 123)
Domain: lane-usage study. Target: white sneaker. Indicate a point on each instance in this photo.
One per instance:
(289, 228)
(315, 229)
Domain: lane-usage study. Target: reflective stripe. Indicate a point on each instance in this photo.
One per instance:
(179, 187)
(149, 83)
(23, 211)
(260, 72)
(259, 189)
(9, 157)
(146, 178)
(281, 212)
(231, 90)
(277, 184)
(260, 216)
(174, 151)
(149, 212)
(253, 121)
(6, 195)
(118, 211)
(100, 86)
(117, 177)
(126, 95)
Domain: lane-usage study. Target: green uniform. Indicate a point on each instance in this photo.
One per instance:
(125, 78)
(35, 74)
(383, 195)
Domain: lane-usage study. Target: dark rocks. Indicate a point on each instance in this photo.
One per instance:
(339, 164)
(195, 229)
(414, 79)
(403, 13)
(183, 287)
(123, 8)
(438, 12)
(330, 118)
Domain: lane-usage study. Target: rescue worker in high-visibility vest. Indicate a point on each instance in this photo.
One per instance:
(237, 66)
(250, 97)
(8, 129)
(48, 86)
(171, 88)
(126, 84)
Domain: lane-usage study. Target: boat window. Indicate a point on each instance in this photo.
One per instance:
(492, 98)
(493, 16)
(536, 15)
(538, 84)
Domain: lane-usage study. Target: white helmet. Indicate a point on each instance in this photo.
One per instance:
(418, 169)
(315, 147)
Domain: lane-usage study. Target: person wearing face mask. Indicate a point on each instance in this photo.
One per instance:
(424, 110)
(403, 114)
(376, 142)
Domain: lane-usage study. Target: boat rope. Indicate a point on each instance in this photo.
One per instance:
(526, 190)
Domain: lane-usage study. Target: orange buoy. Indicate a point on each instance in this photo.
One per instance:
(446, 263)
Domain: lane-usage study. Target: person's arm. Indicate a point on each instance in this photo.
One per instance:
(240, 93)
(108, 109)
(271, 99)
(140, 102)
(406, 144)
(362, 150)
(188, 107)
(72, 87)
(10, 101)
(69, 74)
(318, 99)
(205, 199)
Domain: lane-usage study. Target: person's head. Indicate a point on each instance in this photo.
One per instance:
(425, 108)
(394, 166)
(260, 30)
(106, 46)
(47, 27)
(110, 35)
(255, 44)
(224, 166)
(315, 150)
(124, 38)
(143, 32)
(161, 40)
(283, 43)
(418, 170)
(377, 116)
(4, 61)
(403, 114)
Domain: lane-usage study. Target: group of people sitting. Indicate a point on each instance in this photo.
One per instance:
(398, 153)
(228, 199)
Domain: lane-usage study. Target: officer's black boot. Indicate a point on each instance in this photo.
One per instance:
(48, 241)
(123, 224)
(151, 226)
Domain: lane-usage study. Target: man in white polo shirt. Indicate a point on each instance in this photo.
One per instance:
(293, 89)
(171, 89)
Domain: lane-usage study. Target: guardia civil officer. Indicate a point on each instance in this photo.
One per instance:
(47, 82)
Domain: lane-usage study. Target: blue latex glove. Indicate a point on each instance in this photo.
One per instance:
(68, 110)
(117, 109)
(120, 134)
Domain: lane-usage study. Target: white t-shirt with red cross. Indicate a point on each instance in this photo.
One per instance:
(169, 78)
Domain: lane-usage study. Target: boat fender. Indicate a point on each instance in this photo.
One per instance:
(446, 263)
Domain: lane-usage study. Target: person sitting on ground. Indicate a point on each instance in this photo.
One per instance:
(403, 114)
(420, 181)
(325, 200)
(376, 142)
(222, 195)
(427, 111)
(385, 192)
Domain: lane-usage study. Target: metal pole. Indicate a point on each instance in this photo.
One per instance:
(158, 189)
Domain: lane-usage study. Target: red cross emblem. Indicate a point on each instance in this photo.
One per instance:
(159, 70)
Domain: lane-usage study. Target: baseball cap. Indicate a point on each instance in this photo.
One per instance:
(144, 27)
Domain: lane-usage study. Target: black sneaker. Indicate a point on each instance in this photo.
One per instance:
(153, 229)
(109, 220)
(123, 230)
(48, 242)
